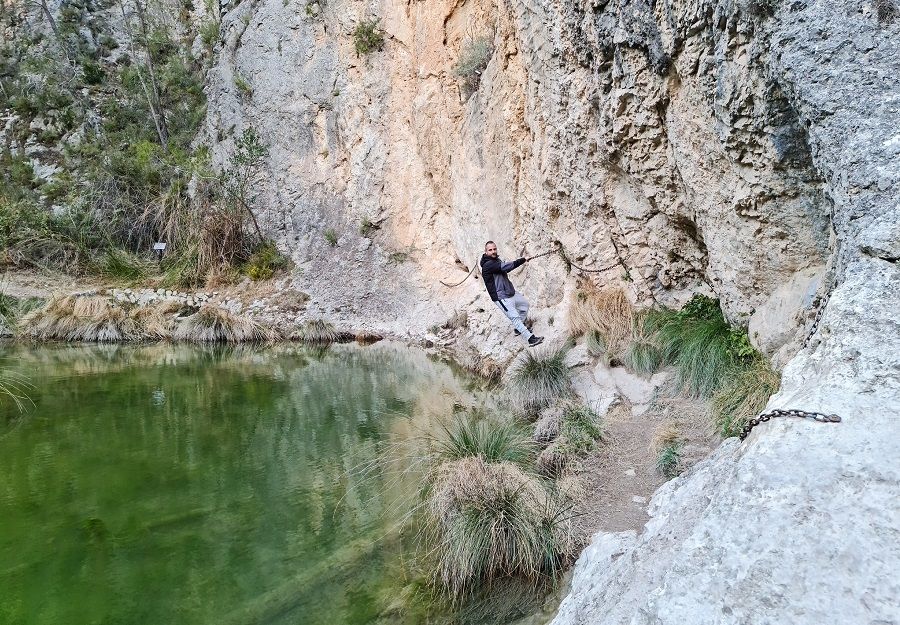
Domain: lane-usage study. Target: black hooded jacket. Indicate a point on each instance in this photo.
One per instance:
(494, 271)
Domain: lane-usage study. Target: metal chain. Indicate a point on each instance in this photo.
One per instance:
(815, 324)
(779, 412)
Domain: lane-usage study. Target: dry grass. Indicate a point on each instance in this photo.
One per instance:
(457, 321)
(88, 318)
(95, 318)
(317, 332)
(607, 312)
(212, 324)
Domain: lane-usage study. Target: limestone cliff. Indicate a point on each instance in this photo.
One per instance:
(743, 147)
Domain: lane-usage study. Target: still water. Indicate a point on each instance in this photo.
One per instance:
(179, 485)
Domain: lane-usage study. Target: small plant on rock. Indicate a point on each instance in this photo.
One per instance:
(886, 11)
(367, 37)
(331, 237)
(243, 87)
(474, 56)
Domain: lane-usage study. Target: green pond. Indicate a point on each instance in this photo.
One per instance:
(169, 484)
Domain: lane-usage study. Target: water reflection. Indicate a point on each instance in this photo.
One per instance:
(183, 484)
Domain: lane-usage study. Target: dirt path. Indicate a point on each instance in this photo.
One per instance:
(27, 283)
(620, 476)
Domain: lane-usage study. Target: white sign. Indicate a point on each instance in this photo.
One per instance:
(160, 246)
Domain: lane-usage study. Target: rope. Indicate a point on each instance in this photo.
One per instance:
(559, 249)
(453, 286)
(570, 264)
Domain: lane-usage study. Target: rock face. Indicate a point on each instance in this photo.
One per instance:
(744, 147)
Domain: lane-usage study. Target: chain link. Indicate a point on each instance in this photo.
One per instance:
(792, 412)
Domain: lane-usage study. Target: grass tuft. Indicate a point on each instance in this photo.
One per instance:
(119, 264)
(743, 396)
(540, 377)
(476, 437)
(668, 445)
(212, 324)
(488, 516)
(317, 332)
(701, 345)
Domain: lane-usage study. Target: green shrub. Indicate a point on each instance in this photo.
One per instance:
(539, 378)
(93, 73)
(474, 56)
(367, 37)
(265, 262)
(366, 227)
(743, 396)
(398, 257)
(332, 237)
(209, 34)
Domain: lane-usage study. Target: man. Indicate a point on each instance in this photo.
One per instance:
(503, 293)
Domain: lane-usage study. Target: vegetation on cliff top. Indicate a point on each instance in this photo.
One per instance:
(100, 156)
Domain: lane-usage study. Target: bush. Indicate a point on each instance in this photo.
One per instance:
(474, 56)
(581, 428)
(93, 73)
(367, 37)
(331, 237)
(265, 262)
(209, 34)
(743, 396)
(539, 378)
(119, 264)
(886, 11)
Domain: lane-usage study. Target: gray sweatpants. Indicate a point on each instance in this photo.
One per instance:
(516, 310)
